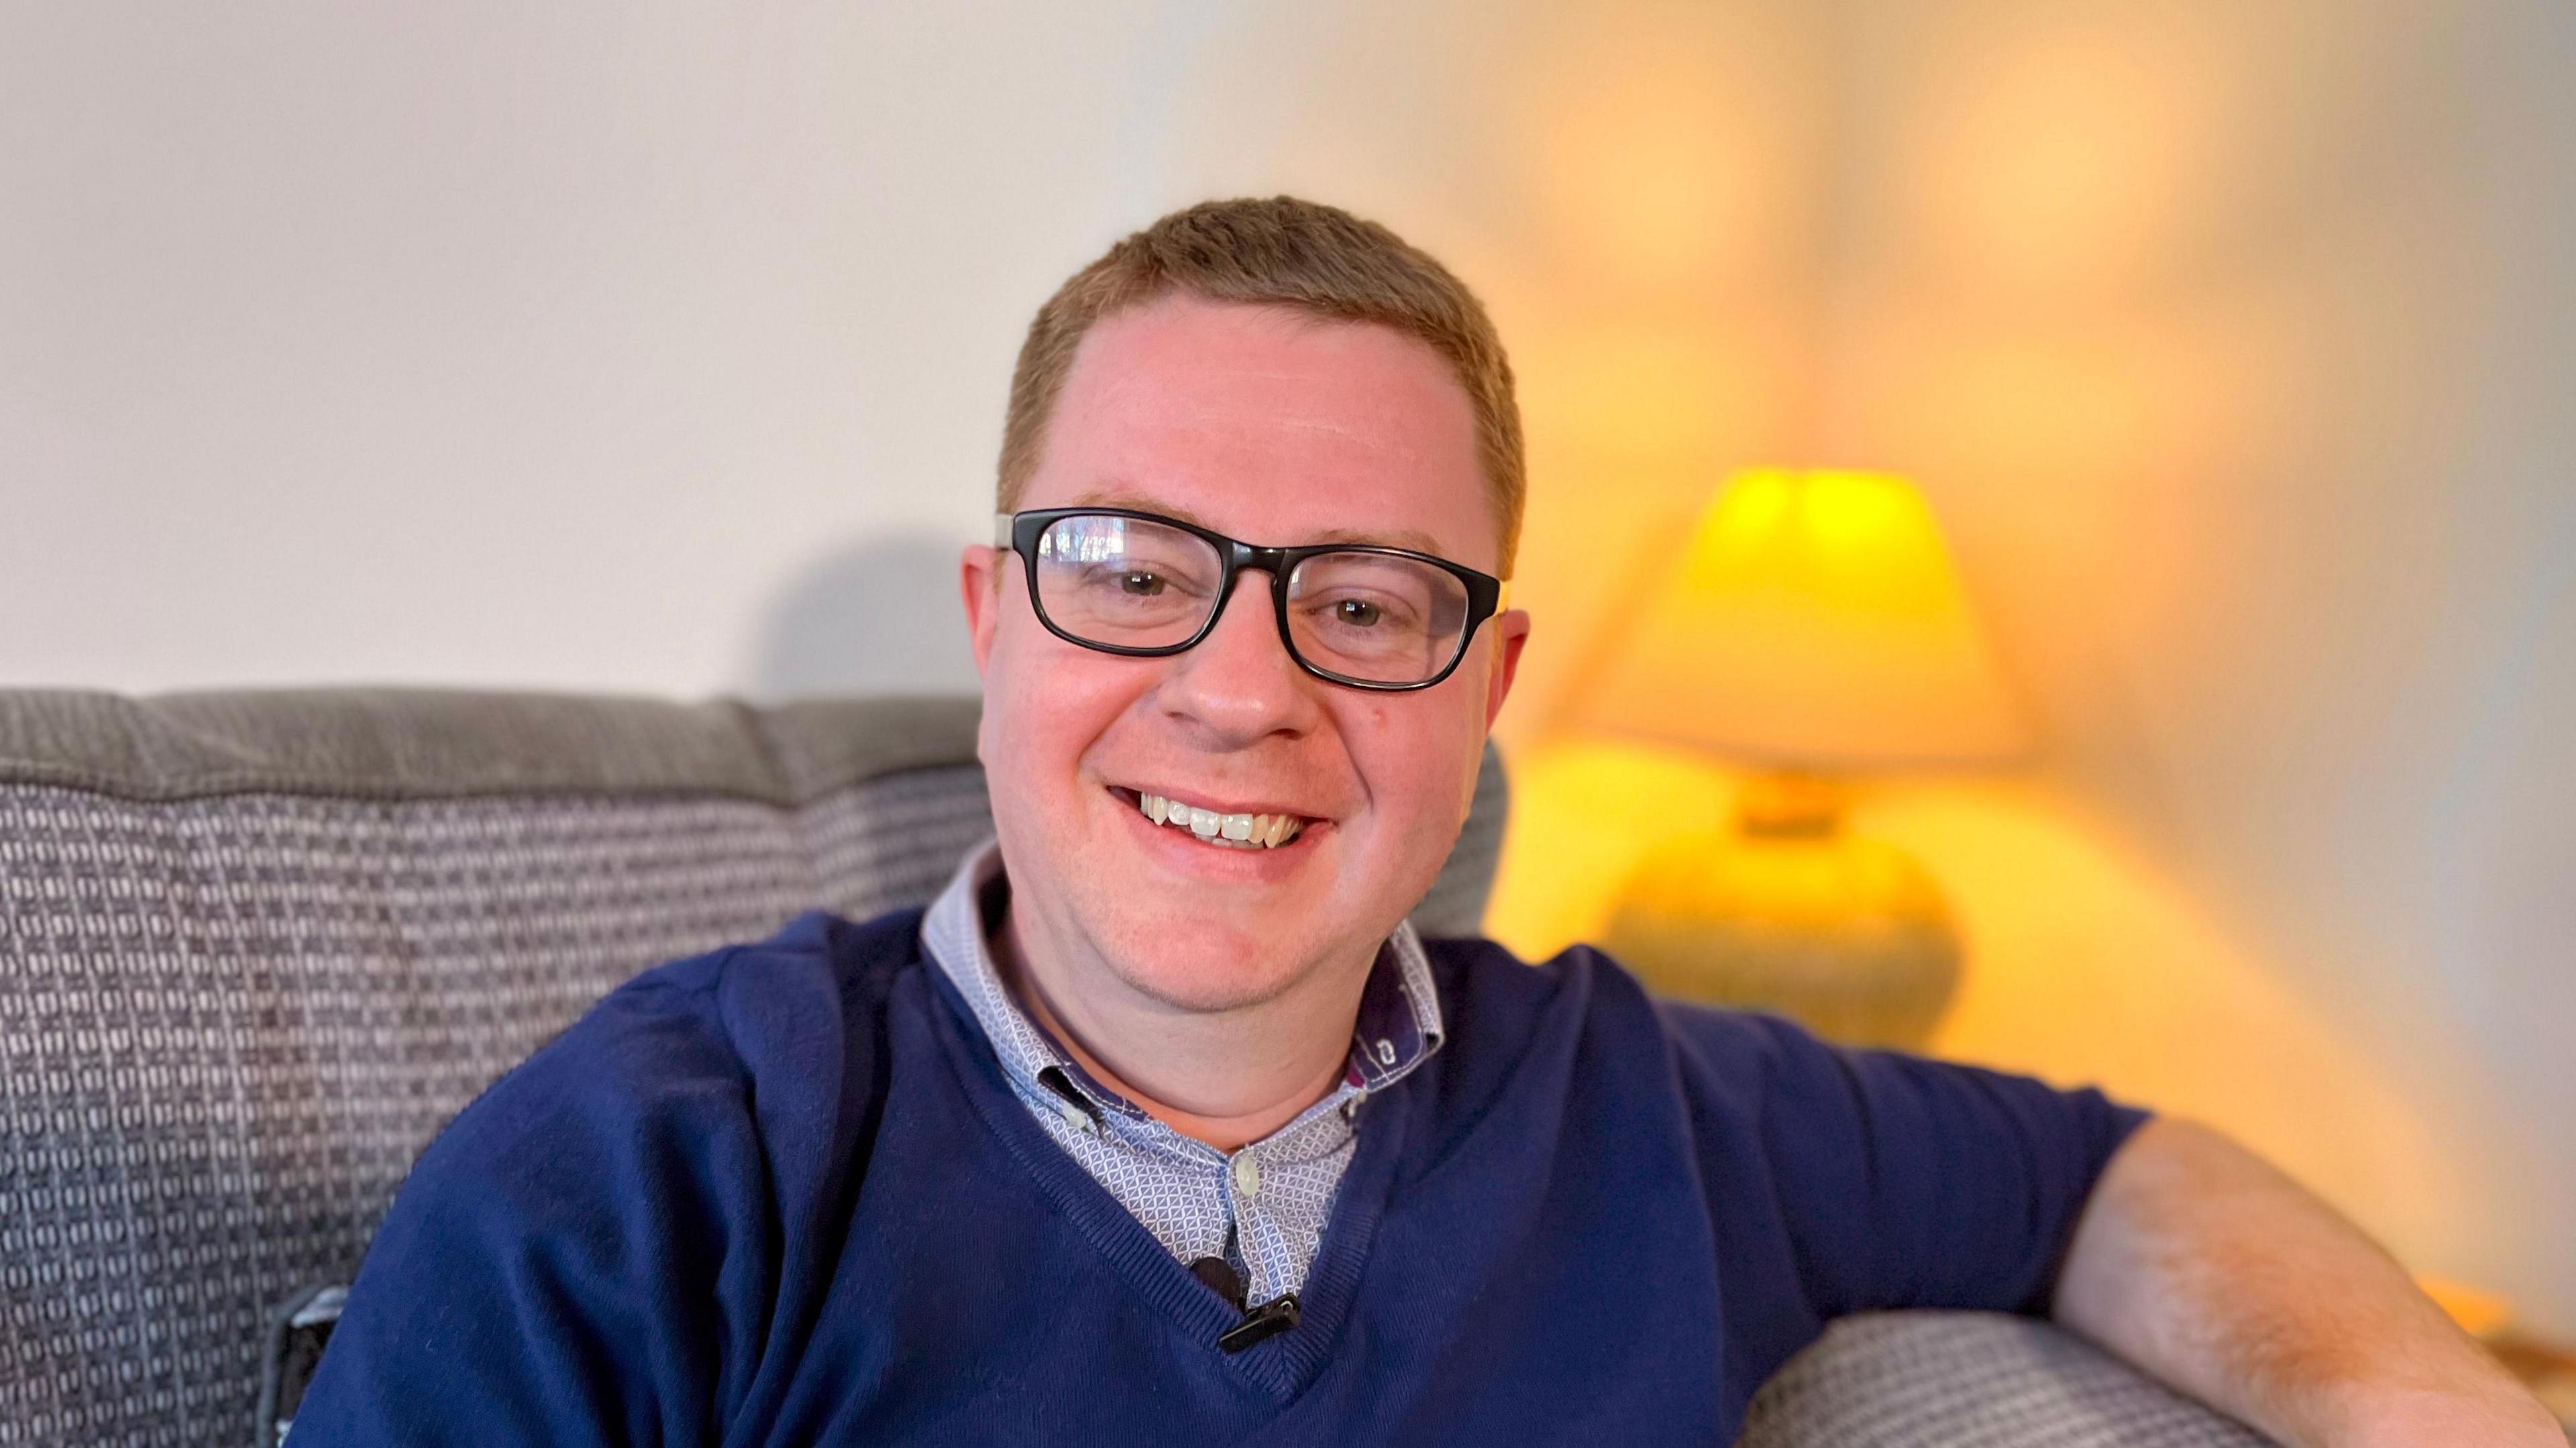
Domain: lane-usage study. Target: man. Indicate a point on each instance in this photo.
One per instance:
(1162, 1123)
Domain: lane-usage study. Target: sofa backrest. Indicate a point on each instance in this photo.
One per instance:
(257, 948)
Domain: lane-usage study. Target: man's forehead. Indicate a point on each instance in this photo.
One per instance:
(1270, 426)
(1138, 501)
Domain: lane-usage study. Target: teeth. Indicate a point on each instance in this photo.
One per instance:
(1243, 831)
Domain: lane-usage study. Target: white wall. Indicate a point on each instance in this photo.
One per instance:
(663, 349)
(537, 345)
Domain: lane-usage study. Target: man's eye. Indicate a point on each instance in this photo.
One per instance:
(1141, 584)
(1358, 612)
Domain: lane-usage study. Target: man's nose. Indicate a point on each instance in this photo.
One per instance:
(1239, 683)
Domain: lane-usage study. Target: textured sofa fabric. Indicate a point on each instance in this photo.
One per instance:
(1907, 1379)
(255, 949)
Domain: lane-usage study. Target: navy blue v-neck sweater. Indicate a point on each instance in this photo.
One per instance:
(782, 1195)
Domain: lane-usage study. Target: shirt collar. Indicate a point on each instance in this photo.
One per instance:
(1398, 1026)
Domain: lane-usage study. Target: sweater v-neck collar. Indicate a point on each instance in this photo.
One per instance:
(1282, 1366)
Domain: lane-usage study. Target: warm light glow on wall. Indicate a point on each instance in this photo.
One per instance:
(2070, 165)
(1662, 151)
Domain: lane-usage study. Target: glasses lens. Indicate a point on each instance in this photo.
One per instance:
(1124, 582)
(1376, 616)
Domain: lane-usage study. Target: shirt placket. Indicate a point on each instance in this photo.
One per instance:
(1270, 1177)
(1256, 1231)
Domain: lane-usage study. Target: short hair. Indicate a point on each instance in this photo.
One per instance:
(1278, 251)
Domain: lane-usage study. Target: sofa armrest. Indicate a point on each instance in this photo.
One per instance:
(1955, 1379)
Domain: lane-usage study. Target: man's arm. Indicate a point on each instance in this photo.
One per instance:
(2202, 1265)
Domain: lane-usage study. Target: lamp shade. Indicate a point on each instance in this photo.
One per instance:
(1815, 621)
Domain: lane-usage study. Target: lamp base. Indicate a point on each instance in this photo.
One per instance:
(1845, 935)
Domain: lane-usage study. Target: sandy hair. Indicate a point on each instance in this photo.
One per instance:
(1278, 251)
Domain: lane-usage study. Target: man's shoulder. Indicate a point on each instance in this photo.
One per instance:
(817, 965)
(703, 1042)
(1582, 985)
(1606, 1020)
(1480, 976)
(1573, 1023)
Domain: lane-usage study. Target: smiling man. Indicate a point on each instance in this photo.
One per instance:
(1162, 1124)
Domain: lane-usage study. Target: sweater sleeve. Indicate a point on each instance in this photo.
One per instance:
(578, 1258)
(1896, 1181)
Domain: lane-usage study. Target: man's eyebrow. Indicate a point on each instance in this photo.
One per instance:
(1418, 541)
(1136, 503)
(1412, 538)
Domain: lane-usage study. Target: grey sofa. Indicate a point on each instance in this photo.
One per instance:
(255, 949)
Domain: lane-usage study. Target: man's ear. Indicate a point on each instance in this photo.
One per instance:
(980, 583)
(1511, 630)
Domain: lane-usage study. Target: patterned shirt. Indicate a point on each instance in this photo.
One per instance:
(1260, 1208)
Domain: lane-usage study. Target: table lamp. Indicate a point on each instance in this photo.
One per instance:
(1814, 628)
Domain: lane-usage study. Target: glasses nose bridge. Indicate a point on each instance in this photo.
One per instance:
(1273, 561)
(1242, 558)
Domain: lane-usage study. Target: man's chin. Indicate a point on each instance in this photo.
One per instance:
(1209, 979)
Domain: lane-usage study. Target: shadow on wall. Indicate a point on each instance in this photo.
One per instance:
(876, 617)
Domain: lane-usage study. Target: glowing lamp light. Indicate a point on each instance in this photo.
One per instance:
(1815, 627)
(1814, 622)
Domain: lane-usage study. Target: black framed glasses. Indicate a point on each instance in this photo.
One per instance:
(1146, 586)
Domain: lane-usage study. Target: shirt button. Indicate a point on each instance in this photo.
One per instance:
(1075, 1117)
(1247, 1176)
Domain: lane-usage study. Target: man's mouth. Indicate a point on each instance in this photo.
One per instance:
(1214, 827)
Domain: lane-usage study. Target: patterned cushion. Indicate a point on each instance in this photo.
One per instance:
(256, 950)
(1906, 1379)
